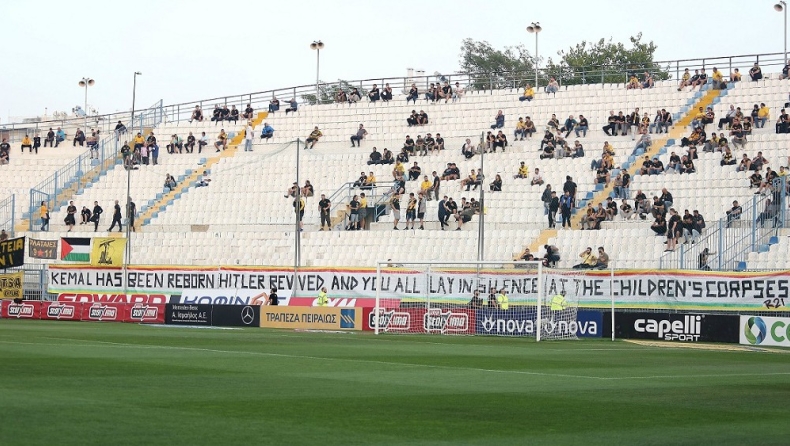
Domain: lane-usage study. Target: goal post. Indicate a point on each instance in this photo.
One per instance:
(503, 298)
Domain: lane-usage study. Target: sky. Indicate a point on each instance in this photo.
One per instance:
(199, 49)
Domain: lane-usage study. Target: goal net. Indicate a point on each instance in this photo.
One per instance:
(496, 298)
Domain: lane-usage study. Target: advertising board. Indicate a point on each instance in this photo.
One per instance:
(421, 320)
(188, 314)
(764, 331)
(29, 309)
(678, 327)
(311, 318)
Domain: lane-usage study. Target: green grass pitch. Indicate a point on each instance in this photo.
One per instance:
(64, 383)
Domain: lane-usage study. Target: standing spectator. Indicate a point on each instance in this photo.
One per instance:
(674, 230)
(395, 206)
(499, 121)
(411, 211)
(570, 187)
(71, 211)
(299, 205)
(324, 209)
(361, 133)
(97, 211)
(116, 217)
(43, 213)
(437, 181)
(364, 215)
(131, 213)
(249, 134)
(442, 213)
(755, 72)
(554, 206)
(566, 205)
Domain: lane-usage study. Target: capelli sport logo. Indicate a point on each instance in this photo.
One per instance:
(755, 330)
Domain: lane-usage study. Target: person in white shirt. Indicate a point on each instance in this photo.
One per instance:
(248, 135)
(536, 178)
(458, 92)
(202, 142)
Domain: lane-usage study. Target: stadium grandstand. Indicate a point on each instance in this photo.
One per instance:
(236, 206)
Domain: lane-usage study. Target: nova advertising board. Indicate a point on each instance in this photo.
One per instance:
(675, 327)
(311, 318)
(421, 320)
(765, 331)
(522, 321)
(29, 309)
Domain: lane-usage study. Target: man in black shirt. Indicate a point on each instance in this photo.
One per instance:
(408, 145)
(86, 215)
(373, 94)
(97, 211)
(570, 187)
(50, 138)
(611, 126)
(422, 118)
(324, 208)
(437, 181)
(131, 212)
(451, 208)
(224, 114)
(71, 210)
(375, 157)
(414, 172)
(674, 230)
(116, 217)
(248, 112)
(234, 114)
(477, 301)
(554, 206)
(216, 115)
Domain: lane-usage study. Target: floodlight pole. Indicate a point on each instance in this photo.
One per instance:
(535, 28)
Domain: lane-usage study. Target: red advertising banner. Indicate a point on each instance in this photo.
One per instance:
(61, 311)
(26, 310)
(420, 320)
(104, 312)
(158, 299)
(146, 314)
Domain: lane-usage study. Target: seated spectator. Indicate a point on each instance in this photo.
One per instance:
(248, 112)
(770, 212)
(735, 75)
(647, 81)
(548, 139)
(222, 140)
(413, 119)
(292, 106)
(602, 176)
(758, 162)
(387, 157)
(414, 93)
(745, 164)
(500, 140)
(763, 114)
(120, 129)
(359, 136)
(783, 123)
(458, 92)
(374, 94)
(785, 70)
(414, 172)
(234, 114)
(701, 80)
(386, 93)
(361, 180)
(626, 211)
(747, 125)
(537, 178)
(551, 256)
(422, 118)
(50, 138)
(663, 122)
(553, 87)
(687, 165)
(611, 128)
(216, 115)
(553, 124)
(354, 96)
(496, 185)
(548, 151)
(202, 142)
(520, 129)
(312, 139)
(26, 142)
(685, 80)
(419, 146)
(340, 96)
(440, 142)
(734, 213)
(176, 142)
(79, 137)
(568, 126)
(370, 181)
(578, 150)
(189, 145)
(712, 144)
(659, 225)
(292, 191)
(170, 182)
(408, 145)
(451, 172)
(307, 189)
(5, 151)
(581, 126)
(469, 180)
(696, 137)
(499, 121)
(633, 83)
(445, 92)
(468, 149)
(644, 142)
(529, 94)
(674, 163)
(402, 157)
(647, 164)
(529, 126)
(698, 118)
(375, 157)
(755, 180)
(274, 105)
(93, 144)
(430, 144)
(718, 80)
(727, 158)
(267, 132)
(755, 72)
(644, 123)
(588, 260)
(737, 134)
(523, 171)
(197, 115)
(224, 113)
(588, 218)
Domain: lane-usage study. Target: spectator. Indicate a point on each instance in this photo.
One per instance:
(552, 205)
(50, 138)
(578, 150)
(202, 142)
(386, 93)
(569, 124)
(674, 163)
(85, 215)
(307, 189)
(430, 144)
(500, 140)
(26, 142)
(216, 115)
(734, 213)
(602, 176)
(313, 138)
(499, 121)
(445, 92)
(120, 129)
(249, 136)
(430, 95)
(224, 113)
(696, 137)
(582, 126)
(408, 145)
(674, 230)
(737, 134)
(496, 185)
(588, 258)
(626, 211)
(647, 81)
(769, 213)
(248, 112)
(551, 256)
(422, 118)
(785, 70)
(537, 179)
(763, 114)
(234, 114)
(398, 170)
(783, 123)
(170, 182)
(413, 119)
(79, 137)
(566, 206)
(632, 120)
(458, 92)
(529, 127)
(735, 75)
(611, 128)
(666, 198)
(355, 96)
(687, 165)
(374, 94)
(553, 87)
(293, 106)
(553, 124)
(633, 83)
(197, 115)
(644, 142)
(529, 94)
(728, 118)
(603, 257)
(267, 132)
(387, 157)
(718, 80)
(520, 129)
(468, 149)
(274, 105)
(340, 96)
(370, 182)
(727, 158)
(402, 157)
(414, 93)
(755, 72)
(176, 142)
(745, 164)
(523, 171)
(414, 172)
(93, 144)
(222, 140)
(440, 142)
(450, 173)
(437, 180)
(375, 157)
(361, 133)
(758, 162)
(755, 180)
(701, 80)
(644, 124)
(685, 80)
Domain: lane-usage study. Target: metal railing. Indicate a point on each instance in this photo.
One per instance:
(727, 242)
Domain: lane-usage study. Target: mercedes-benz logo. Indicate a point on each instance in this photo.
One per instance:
(247, 315)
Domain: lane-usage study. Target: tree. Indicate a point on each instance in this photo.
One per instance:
(328, 91)
(493, 68)
(605, 61)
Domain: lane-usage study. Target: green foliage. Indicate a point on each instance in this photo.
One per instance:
(327, 92)
(605, 61)
(495, 68)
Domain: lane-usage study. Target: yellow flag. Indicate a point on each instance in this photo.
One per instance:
(108, 251)
(11, 285)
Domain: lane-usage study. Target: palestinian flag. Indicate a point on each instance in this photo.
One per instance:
(74, 249)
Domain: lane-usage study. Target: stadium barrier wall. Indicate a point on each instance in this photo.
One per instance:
(311, 318)
(213, 315)
(764, 331)
(356, 287)
(81, 311)
(687, 327)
